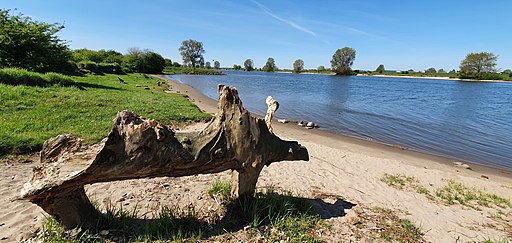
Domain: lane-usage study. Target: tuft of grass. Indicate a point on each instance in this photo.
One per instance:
(457, 193)
(390, 227)
(278, 217)
(31, 114)
(403, 182)
(220, 191)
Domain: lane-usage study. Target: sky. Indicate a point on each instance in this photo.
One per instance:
(402, 35)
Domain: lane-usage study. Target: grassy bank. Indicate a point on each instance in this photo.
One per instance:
(191, 71)
(31, 114)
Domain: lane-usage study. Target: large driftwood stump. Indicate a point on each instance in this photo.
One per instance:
(143, 148)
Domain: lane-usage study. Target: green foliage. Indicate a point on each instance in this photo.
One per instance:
(208, 65)
(249, 65)
(32, 45)
(298, 66)
(288, 217)
(456, 192)
(89, 66)
(403, 182)
(113, 68)
(342, 61)
(143, 61)
(15, 76)
(431, 71)
(192, 53)
(237, 67)
(479, 66)
(321, 69)
(30, 115)
(380, 69)
(216, 64)
(270, 65)
(191, 71)
(220, 190)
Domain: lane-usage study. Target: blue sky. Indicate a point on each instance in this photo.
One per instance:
(401, 35)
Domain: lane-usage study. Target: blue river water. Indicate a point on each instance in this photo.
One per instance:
(467, 121)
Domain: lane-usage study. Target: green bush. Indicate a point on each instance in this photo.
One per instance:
(89, 66)
(112, 68)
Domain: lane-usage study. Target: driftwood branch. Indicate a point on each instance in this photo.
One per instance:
(143, 148)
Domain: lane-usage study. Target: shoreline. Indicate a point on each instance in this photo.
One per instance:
(209, 105)
(436, 78)
(357, 172)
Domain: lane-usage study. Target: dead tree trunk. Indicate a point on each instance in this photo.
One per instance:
(143, 148)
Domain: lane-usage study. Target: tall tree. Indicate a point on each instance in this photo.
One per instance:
(342, 61)
(216, 64)
(208, 65)
(192, 53)
(270, 65)
(298, 66)
(32, 45)
(431, 71)
(321, 69)
(478, 65)
(249, 65)
(380, 69)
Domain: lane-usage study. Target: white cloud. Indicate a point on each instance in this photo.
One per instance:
(286, 21)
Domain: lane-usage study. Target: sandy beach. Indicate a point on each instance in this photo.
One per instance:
(344, 175)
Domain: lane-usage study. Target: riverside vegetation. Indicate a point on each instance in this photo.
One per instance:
(84, 106)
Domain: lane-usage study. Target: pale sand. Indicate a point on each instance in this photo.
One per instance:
(341, 172)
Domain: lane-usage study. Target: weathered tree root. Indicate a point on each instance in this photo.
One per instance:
(143, 148)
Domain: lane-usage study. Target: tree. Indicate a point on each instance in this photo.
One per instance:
(152, 62)
(431, 71)
(192, 52)
(441, 71)
(380, 69)
(321, 69)
(342, 61)
(237, 67)
(478, 65)
(270, 65)
(249, 65)
(208, 65)
(216, 64)
(143, 61)
(298, 66)
(32, 45)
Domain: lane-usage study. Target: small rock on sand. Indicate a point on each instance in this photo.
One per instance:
(462, 165)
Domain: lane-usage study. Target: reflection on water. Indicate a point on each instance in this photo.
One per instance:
(469, 121)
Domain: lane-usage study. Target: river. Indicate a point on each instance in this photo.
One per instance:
(467, 121)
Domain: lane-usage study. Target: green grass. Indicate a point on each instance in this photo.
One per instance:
(31, 114)
(220, 190)
(403, 182)
(282, 217)
(16, 76)
(270, 217)
(191, 71)
(457, 193)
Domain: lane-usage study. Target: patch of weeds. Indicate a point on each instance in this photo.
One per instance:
(52, 232)
(220, 191)
(403, 182)
(274, 217)
(457, 193)
(385, 224)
